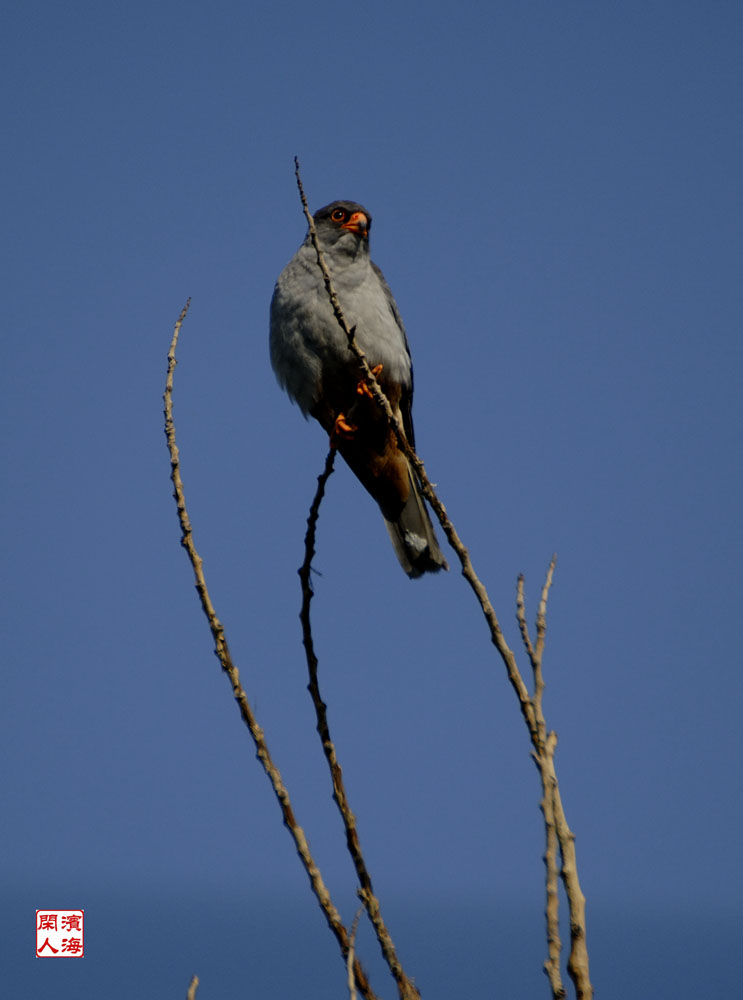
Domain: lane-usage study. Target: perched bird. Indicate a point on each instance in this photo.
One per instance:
(313, 363)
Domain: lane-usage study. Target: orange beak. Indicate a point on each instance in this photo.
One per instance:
(358, 223)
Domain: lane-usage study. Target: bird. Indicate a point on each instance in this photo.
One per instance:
(312, 362)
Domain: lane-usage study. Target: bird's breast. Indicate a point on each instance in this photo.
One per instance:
(308, 346)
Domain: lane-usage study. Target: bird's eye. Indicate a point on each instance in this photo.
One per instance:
(338, 215)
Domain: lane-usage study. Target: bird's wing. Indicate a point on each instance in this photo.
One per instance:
(406, 400)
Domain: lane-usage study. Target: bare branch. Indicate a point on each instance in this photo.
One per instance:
(222, 651)
(521, 617)
(578, 961)
(578, 958)
(405, 987)
(192, 987)
(552, 909)
(542, 611)
(536, 652)
(468, 572)
(351, 951)
(556, 827)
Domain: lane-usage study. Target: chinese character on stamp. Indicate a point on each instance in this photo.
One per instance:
(60, 934)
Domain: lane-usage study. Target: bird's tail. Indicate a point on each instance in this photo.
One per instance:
(413, 536)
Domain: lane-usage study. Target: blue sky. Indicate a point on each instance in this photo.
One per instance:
(557, 207)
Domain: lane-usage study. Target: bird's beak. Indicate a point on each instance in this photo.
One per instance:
(358, 223)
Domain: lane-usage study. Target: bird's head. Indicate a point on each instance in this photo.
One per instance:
(343, 225)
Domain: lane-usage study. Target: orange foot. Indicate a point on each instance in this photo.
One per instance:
(342, 431)
(362, 388)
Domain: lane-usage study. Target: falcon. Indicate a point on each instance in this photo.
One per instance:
(313, 363)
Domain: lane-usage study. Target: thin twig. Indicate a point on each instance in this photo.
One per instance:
(351, 952)
(222, 651)
(556, 826)
(405, 987)
(578, 961)
(192, 987)
(578, 957)
(552, 908)
(544, 758)
(536, 657)
(468, 572)
(542, 612)
(521, 617)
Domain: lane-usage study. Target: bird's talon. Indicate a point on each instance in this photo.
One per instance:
(362, 388)
(342, 431)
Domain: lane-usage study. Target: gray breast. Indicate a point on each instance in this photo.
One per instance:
(305, 336)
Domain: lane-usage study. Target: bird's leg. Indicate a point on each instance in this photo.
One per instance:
(342, 431)
(362, 388)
